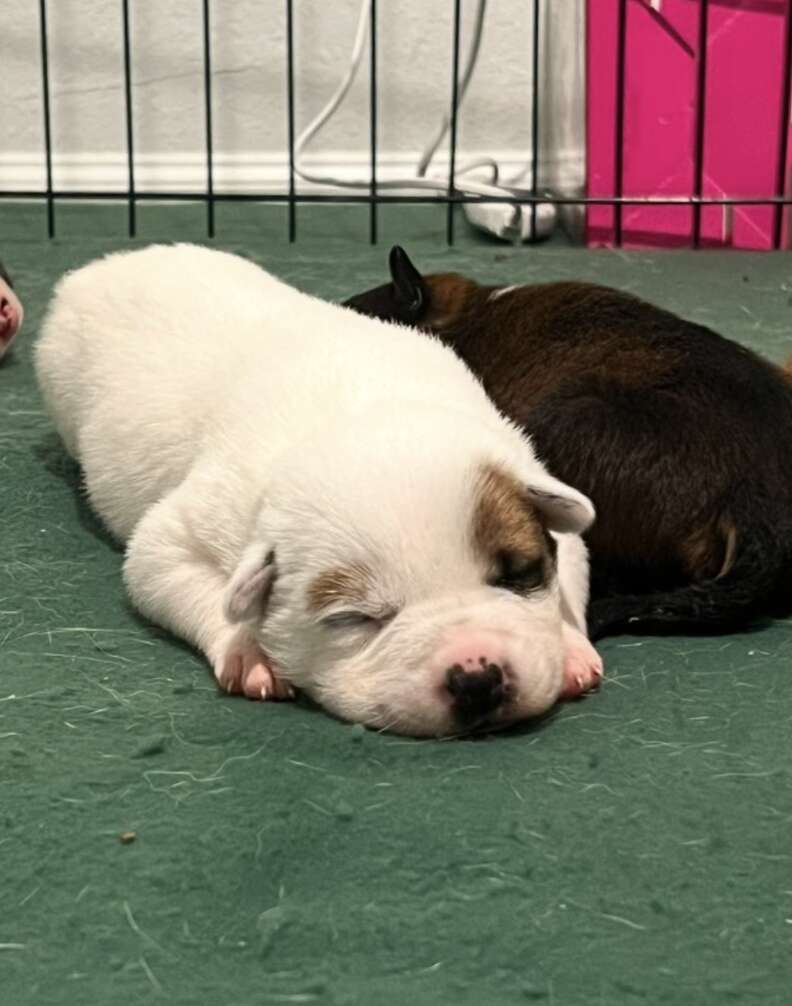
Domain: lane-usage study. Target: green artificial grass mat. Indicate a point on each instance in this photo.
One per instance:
(635, 848)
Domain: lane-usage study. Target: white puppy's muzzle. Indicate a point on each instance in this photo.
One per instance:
(474, 672)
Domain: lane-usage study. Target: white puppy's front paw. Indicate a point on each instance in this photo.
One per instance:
(244, 668)
(582, 665)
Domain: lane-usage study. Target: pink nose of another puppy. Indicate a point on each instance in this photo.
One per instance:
(10, 318)
(474, 674)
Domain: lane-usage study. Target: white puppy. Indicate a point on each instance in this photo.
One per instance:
(316, 499)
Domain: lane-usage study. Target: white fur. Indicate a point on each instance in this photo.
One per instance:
(224, 421)
(503, 290)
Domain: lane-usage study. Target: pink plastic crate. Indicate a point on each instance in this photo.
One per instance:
(744, 97)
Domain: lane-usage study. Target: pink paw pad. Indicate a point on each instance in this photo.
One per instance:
(246, 670)
(582, 670)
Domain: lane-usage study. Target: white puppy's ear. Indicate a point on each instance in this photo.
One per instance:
(564, 509)
(251, 584)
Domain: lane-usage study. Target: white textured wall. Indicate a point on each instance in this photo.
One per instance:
(248, 42)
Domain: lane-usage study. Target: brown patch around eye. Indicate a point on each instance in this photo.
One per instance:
(349, 583)
(507, 531)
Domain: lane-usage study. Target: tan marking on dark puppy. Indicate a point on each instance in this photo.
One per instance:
(730, 551)
(505, 341)
(343, 583)
(709, 551)
(449, 293)
(505, 522)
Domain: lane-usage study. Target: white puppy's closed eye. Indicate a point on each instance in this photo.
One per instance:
(251, 584)
(352, 620)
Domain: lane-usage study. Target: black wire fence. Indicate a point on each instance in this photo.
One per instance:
(452, 196)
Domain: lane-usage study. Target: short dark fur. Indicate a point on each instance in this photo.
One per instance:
(681, 438)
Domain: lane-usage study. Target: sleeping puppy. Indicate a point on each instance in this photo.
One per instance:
(300, 503)
(11, 312)
(681, 438)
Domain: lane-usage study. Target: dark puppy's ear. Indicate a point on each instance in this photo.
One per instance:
(408, 283)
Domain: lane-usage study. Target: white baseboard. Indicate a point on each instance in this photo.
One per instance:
(261, 172)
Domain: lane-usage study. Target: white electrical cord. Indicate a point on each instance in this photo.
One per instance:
(467, 73)
(501, 219)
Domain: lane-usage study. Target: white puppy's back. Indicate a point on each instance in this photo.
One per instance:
(216, 358)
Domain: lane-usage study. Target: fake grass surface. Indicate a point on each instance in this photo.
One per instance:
(636, 848)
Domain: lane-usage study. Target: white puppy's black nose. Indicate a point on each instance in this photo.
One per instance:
(475, 693)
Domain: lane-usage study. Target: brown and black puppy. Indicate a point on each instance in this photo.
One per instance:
(681, 438)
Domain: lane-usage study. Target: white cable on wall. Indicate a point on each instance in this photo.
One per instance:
(501, 219)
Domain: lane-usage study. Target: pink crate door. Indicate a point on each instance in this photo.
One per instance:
(744, 96)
